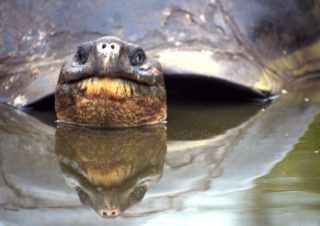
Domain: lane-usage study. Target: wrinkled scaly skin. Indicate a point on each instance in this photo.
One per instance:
(114, 168)
(109, 82)
(260, 45)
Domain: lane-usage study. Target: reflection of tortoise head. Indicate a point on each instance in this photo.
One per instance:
(111, 169)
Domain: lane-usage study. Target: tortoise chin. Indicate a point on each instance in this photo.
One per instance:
(110, 102)
(110, 83)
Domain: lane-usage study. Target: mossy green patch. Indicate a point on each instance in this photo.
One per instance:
(300, 169)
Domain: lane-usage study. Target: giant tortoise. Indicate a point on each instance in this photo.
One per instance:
(258, 47)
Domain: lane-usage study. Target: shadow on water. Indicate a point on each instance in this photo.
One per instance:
(196, 120)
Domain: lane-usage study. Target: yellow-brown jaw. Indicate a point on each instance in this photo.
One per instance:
(110, 83)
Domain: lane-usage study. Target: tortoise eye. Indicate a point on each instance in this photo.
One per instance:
(82, 54)
(137, 56)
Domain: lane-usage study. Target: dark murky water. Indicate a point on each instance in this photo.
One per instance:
(231, 164)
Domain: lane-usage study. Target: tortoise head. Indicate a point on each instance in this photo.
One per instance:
(109, 82)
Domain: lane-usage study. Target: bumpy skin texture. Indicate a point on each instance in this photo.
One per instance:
(110, 82)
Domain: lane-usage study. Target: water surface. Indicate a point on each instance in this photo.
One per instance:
(227, 163)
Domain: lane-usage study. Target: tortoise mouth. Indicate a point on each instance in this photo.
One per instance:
(134, 78)
(115, 88)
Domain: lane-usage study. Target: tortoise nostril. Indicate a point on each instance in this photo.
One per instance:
(109, 212)
(112, 46)
(104, 46)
